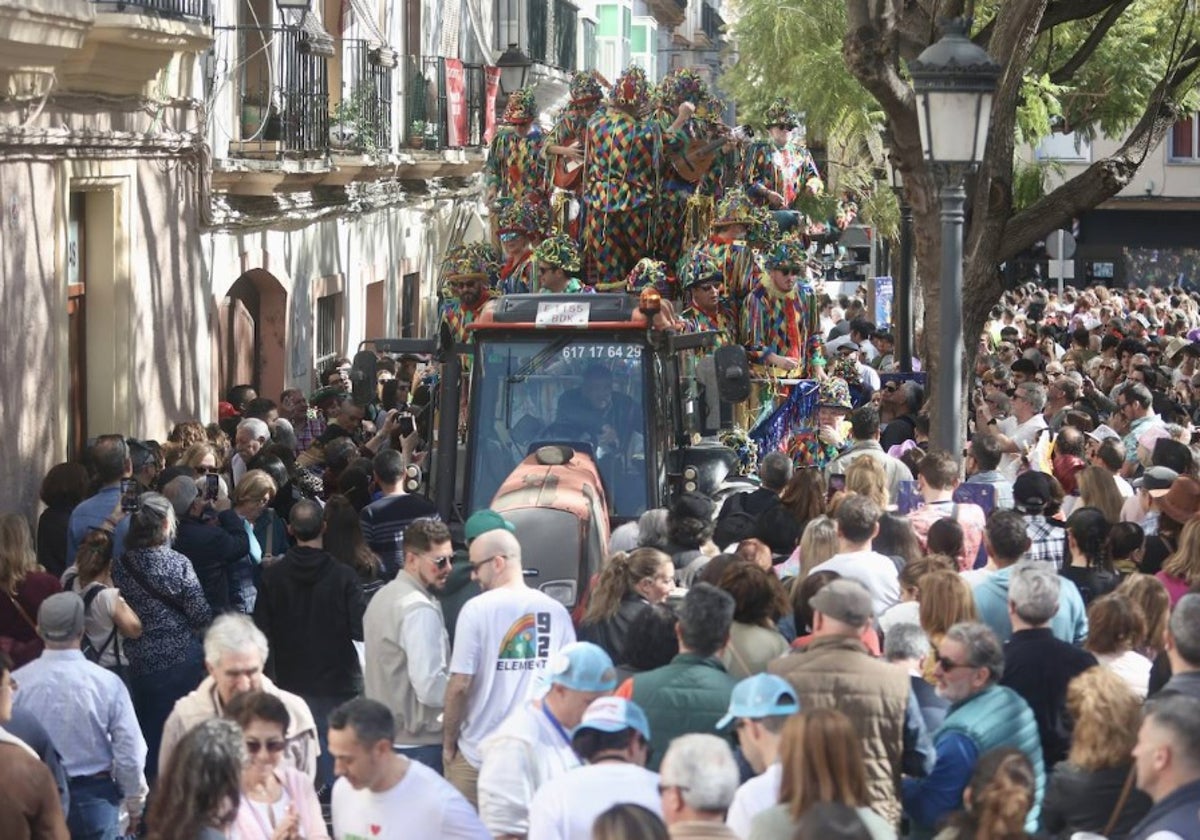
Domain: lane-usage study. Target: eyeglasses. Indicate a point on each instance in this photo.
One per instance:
(708, 287)
(948, 664)
(475, 567)
(891, 387)
(443, 561)
(206, 470)
(273, 746)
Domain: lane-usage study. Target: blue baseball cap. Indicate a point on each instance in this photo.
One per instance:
(582, 666)
(760, 696)
(482, 521)
(614, 714)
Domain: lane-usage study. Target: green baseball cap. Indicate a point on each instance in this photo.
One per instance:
(482, 521)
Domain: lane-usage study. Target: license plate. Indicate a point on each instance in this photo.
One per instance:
(562, 314)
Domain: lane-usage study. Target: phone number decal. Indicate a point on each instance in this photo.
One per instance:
(602, 351)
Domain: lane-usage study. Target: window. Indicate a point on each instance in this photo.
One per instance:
(1066, 147)
(329, 329)
(1184, 145)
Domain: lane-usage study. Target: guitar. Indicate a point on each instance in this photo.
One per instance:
(695, 161)
(567, 172)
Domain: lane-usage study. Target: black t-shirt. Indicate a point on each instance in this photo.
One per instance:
(383, 523)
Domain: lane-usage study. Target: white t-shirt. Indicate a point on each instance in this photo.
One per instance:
(1123, 487)
(1130, 666)
(1031, 435)
(906, 612)
(565, 808)
(98, 623)
(752, 798)
(503, 639)
(873, 570)
(422, 806)
(974, 577)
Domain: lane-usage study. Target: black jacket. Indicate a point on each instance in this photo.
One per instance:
(1084, 800)
(212, 548)
(310, 606)
(610, 633)
(1038, 667)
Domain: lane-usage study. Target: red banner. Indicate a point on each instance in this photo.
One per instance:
(456, 103)
(492, 90)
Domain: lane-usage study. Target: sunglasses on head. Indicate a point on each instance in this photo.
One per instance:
(254, 747)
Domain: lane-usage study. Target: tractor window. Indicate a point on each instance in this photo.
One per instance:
(573, 389)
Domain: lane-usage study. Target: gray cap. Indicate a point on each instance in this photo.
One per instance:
(60, 617)
(844, 600)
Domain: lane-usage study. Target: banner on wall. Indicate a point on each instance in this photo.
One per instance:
(456, 103)
(491, 91)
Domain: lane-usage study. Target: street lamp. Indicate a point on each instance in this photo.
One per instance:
(514, 68)
(903, 319)
(954, 80)
(300, 6)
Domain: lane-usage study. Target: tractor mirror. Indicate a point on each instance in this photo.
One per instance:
(733, 373)
(362, 376)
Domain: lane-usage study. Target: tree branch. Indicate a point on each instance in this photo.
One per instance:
(1057, 13)
(1104, 178)
(1111, 15)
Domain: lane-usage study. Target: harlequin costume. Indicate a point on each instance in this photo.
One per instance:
(780, 322)
(475, 260)
(570, 127)
(513, 166)
(559, 251)
(699, 268)
(623, 154)
(735, 255)
(523, 221)
(788, 170)
(647, 273)
(805, 446)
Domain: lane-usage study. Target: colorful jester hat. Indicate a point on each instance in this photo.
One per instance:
(474, 259)
(699, 267)
(834, 393)
(786, 254)
(521, 107)
(735, 209)
(648, 272)
(682, 85)
(558, 251)
(743, 447)
(780, 113)
(631, 90)
(585, 88)
(519, 217)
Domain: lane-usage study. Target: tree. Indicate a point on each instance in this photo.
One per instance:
(1118, 67)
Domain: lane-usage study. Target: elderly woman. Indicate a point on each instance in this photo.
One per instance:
(278, 802)
(166, 661)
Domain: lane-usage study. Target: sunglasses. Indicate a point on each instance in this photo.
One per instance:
(206, 470)
(708, 287)
(442, 562)
(274, 747)
(947, 664)
(891, 387)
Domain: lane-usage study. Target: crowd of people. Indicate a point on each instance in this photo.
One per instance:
(256, 629)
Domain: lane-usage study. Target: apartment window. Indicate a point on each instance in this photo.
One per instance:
(1185, 144)
(329, 329)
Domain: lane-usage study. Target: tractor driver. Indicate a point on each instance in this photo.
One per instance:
(597, 413)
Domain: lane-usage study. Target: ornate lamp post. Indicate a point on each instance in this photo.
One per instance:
(954, 80)
(514, 68)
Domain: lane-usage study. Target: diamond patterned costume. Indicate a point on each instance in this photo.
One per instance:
(781, 323)
(788, 171)
(513, 167)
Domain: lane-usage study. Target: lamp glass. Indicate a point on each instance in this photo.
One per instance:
(294, 5)
(514, 68)
(954, 124)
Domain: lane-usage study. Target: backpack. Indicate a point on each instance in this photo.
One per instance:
(93, 653)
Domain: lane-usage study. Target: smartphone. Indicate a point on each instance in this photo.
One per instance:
(406, 424)
(837, 483)
(388, 395)
(129, 495)
(212, 487)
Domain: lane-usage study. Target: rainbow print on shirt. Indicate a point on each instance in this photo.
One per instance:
(526, 644)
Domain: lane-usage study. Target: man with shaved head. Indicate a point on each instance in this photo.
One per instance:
(502, 642)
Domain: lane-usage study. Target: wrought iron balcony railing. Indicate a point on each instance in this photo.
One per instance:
(184, 9)
(363, 119)
(427, 104)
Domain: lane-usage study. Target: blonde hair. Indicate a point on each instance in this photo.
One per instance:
(945, 600)
(822, 757)
(254, 486)
(1149, 593)
(1184, 564)
(818, 543)
(17, 558)
(1107, 715)
(197, 452)
(867, 477)
(1098, 489)
(623, 572)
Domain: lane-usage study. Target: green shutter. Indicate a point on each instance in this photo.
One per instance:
(638, 41)
(608, 23)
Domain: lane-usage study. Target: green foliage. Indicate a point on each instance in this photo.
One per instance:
(356, 120)
(1039, 105)
(1030, 181)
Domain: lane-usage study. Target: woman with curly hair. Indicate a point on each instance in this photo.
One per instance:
(1088, 564)
(1116, 625)
(1149, 593)
(759, 602)
(628, 584)
(997, 800)
(1092, 790)
(1181, 571)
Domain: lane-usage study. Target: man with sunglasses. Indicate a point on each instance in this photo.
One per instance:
(703, 283)
(407, 646)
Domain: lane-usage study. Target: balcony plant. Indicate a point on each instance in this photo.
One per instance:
(416, 134)
(354, 125)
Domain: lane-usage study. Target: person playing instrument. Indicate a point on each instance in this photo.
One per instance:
(620, 179)
(519, 224)
(701, 280)
(779, 315)
(780, 171)
(563, 151)
(557, 260)
(513, 167)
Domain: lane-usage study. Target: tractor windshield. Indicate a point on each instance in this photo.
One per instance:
(578, 389)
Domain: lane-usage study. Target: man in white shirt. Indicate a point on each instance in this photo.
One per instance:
(761, 706)
(1025, 434)
(864, 436)
(857, 521)
(614, 739)
(384, 796)
(504, 638)
(533, 745)
(407, 646)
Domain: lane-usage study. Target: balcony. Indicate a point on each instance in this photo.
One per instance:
(431, 111)
(362, 121)
(566, 22)
(281, 85)
(545, 30)
(178, 9)
(711, 25)
(35, 40)
(669, 13)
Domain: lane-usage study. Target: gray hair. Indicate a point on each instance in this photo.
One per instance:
(1180, 713)
(1034, 591)
(146, 523)
(1034, 394)
(285, 433)
(257, 428)
(703, 768)
(775, 470)
(905, 641)
(652, 529)
(1185, 628)
(233, 633)
(983, 648)
(181, 491)
(914, 396)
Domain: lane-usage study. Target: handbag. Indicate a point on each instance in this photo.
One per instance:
(24, 614)
(1125, 791)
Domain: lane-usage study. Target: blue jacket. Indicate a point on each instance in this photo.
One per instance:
(995, 717)
(1178, 812)
(1069, 623)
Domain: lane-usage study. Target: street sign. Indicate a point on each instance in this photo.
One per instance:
(1060, 245)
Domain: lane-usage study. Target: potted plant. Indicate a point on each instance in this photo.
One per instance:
(344, 124)
(416, 134)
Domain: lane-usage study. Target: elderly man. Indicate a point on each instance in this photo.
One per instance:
(1167, 761)
(760, 705)
(983, 716)
(864, 443)
(235, 652)
(907, 646)
(741, 511)
(533, 744)
(212, 546)
(504, 638)
(698, 779)
(252, 435)
(836, 671)
(1023, 435)
(1183, 647)
(904, 404)
(89, 715)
